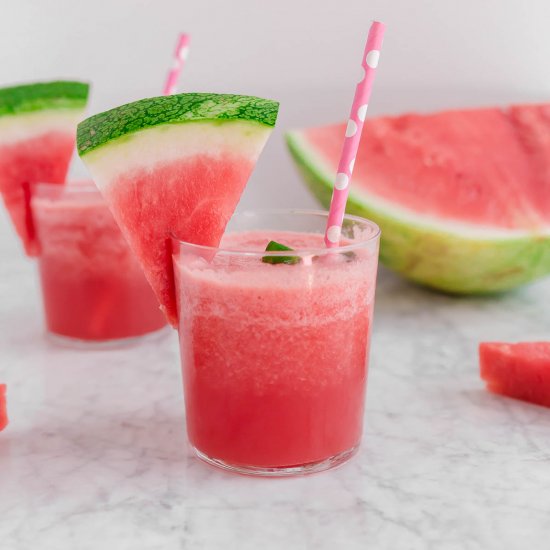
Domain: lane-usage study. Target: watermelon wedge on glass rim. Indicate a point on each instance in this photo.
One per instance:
(37, 137)
(462, 197)
(175, 165)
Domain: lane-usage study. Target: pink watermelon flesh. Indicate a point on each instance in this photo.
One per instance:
(44, 158)
(487, 167)
(521, 371)
(3, 411)
(533, 126)
(198, 213)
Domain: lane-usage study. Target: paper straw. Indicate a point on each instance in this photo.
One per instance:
(353, 134)
(180, 55)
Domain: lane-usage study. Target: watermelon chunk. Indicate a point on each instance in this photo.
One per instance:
(175, 165)
(3, 410)
(37, 136)
(462, 197)
(521, 371)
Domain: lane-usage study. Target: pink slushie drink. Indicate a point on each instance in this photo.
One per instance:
(274, 355)
(93, 288)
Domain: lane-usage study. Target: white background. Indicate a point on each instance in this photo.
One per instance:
(437, 54)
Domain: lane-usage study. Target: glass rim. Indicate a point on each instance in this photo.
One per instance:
(304, 252)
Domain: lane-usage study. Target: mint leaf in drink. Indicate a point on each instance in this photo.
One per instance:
(274, 246)
(350, 256)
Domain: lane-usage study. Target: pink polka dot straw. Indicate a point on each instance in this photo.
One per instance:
(353, 134)
(180, 55)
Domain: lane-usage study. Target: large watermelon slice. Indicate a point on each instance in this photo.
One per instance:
(462, 197)
(37, 137)
(175, 165)
(3, 410)
(520, 370)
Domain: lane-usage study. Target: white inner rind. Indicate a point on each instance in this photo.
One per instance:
(169, 142)
(410, 217)
(14, 128)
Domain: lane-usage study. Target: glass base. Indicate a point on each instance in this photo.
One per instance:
(282, 471)
(78, 343)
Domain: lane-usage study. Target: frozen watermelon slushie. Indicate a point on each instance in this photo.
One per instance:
(275, 354)
(274, 345)
(93, 287)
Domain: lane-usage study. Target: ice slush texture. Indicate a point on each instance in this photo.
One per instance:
(93, 287)
(275, 355)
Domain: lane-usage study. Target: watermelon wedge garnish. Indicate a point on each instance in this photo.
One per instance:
(3, 409)
(175, 165)
(462, 197)
(37, 136)
(519, 370)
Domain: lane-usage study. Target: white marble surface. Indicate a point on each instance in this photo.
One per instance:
(95, 456)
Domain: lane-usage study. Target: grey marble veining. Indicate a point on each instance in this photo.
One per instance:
(95, 456)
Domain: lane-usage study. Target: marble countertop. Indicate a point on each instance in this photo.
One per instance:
(95, 456)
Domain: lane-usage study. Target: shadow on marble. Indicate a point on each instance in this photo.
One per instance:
(71, 458)
(21, 327)
(158, 437)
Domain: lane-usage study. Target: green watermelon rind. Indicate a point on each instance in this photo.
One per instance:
(40, 96)
(106, 127)
(445, 260)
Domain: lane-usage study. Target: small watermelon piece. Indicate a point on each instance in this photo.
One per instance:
(521, 371)
(3, 410)
(37, 136)
(175, 165)
(462, 197)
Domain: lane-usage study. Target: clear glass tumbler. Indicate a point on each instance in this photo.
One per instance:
(274, 345)
(93, 288)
